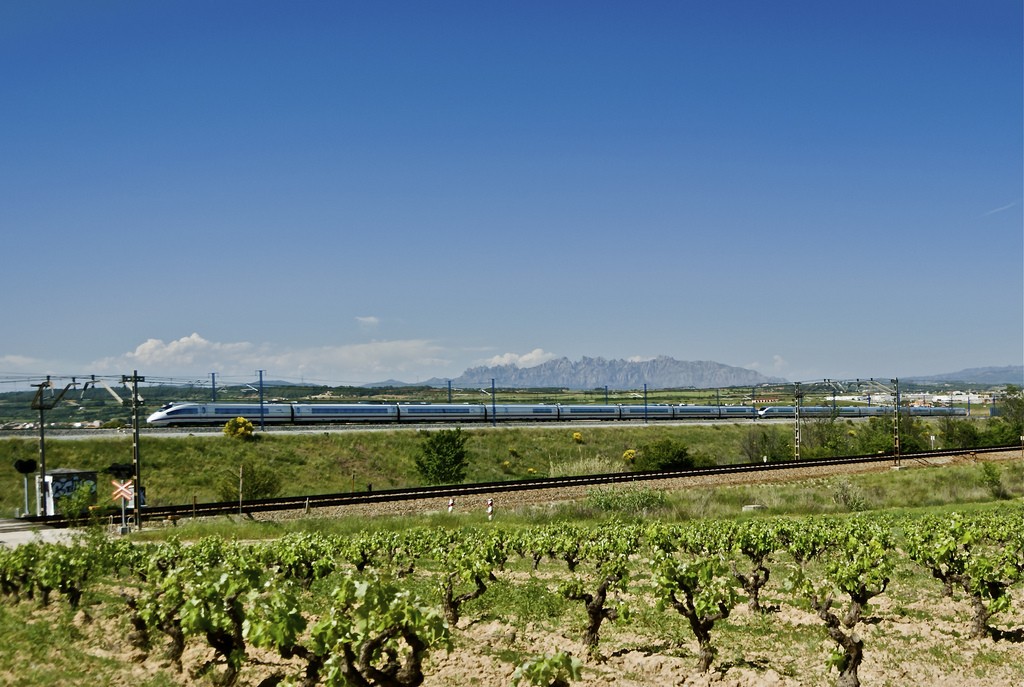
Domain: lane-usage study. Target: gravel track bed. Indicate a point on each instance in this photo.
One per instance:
(516, 500)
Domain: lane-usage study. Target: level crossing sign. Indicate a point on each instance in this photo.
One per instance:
(123, 490)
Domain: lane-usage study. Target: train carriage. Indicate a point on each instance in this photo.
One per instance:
(344, 412)
(520, 413)
(584, 412)
(440, 412)
(219, 413)
(641, 412)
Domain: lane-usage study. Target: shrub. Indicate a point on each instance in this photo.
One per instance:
(845, 494)
(992, 478)
(663, 455)
(75, 506)
(548, 670)
(443, 457)
(239, 428)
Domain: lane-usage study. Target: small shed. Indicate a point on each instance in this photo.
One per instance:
(62, 482)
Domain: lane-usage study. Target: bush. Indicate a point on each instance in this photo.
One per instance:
(75, 506)
(443, 457)
(239, 428)
(663, 455)
(548, 670)
(845, 494)
(992, 478)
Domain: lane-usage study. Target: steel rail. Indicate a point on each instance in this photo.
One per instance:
(156, 513)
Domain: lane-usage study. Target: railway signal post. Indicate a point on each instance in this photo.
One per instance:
(124, 492)
(136, 402)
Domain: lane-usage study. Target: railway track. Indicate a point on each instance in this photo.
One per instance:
(318, 501)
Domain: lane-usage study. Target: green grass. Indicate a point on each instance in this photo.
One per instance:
(176, 470)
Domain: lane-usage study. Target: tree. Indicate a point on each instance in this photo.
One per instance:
(443, 457)
(959, 432)
(876, 435)
(914, 434)
(1008, 426)
(772, 443)
(824, 436)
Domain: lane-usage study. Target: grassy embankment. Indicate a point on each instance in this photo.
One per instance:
(176, 470)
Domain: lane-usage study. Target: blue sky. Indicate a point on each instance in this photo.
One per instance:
(347, 192)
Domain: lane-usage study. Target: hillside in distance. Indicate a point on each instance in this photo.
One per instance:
(1010, 374)
(662, 372)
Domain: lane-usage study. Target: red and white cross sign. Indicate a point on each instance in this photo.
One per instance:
(123, 490)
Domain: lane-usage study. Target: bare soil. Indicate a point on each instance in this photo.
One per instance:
(920, 642)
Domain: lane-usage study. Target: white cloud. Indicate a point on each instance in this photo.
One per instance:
(408, 360)
(531, 359)
(18, 363)
(368, 322)
(777, 366)
(186, 351)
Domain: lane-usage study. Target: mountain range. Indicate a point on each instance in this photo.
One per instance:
(1010, 374)
(662, 372)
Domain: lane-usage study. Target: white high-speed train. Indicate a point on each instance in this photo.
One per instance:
(184, 414)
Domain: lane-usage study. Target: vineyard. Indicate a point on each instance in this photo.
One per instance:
(874, 599)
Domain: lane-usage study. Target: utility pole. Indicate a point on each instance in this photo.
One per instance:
(42, 405)
(136, 402)
(896, 420)
(798, 397)
(645, 403)
(263, 424)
